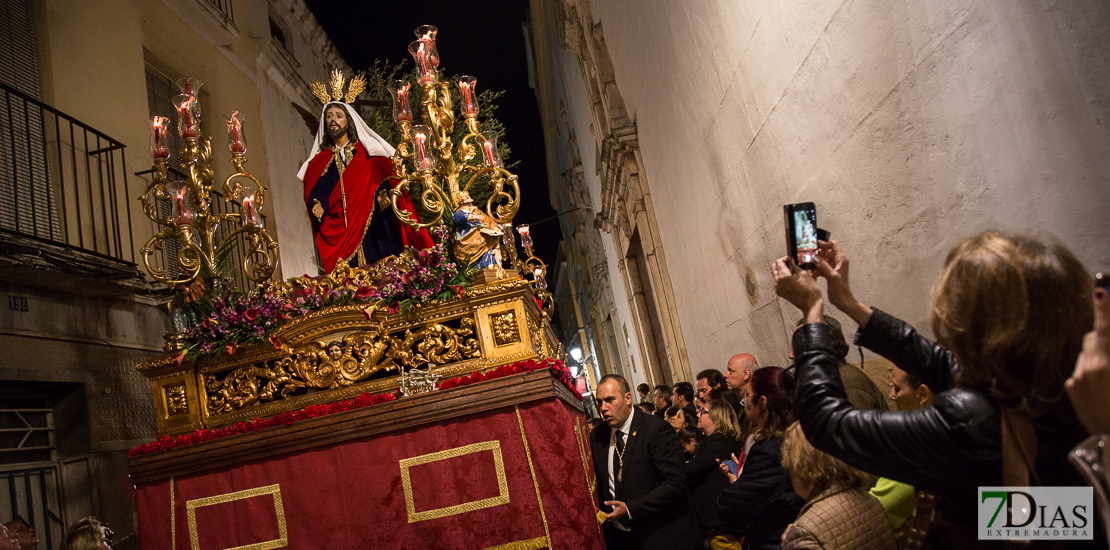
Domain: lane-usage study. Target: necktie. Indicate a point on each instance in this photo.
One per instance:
(618, 457)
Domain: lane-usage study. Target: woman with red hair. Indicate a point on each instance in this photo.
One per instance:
(761, 502)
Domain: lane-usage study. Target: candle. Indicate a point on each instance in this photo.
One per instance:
(158, 148)
(401, 110)
(422, 160)
(541, 283)
(421, 52)
(525, 236)
(466, 88)
(489, 148)
(427, 35)
(189, 86)
(183, 215)
(236, 141)
(187, 123)
(250, 213)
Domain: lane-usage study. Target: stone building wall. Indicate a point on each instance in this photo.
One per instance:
(911, 125)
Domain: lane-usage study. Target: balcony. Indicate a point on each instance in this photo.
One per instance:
(68, 218)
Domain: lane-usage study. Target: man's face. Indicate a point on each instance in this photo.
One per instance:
(736, 377)
(676, 399)
(660, 400)
(615, 406)
(703, 389)
(24, 535)
(902, 392)
(6, 540)
(335, 119)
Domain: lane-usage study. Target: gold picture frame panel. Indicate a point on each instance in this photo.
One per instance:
(499, 467)
(495, 353)
(283, 533)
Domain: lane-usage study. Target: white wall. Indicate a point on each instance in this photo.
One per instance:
(910, 124)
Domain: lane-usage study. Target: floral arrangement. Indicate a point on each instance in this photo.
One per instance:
(231, 317)
(165, 443)
(434, 275)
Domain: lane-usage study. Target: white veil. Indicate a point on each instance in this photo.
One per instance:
(374, 144)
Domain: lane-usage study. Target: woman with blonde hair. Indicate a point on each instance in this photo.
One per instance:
(718, 422)
(837, 512)
(88, 535)
(1009, 313)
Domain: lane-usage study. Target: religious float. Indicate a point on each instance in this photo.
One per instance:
(419, 401)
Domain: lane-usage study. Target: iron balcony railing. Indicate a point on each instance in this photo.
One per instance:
(62, 180)
(225, 8)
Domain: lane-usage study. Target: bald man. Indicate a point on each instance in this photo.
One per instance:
(739, 372)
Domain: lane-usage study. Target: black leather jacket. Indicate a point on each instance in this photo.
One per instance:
(949, 448)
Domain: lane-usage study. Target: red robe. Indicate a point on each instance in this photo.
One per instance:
(338, 241)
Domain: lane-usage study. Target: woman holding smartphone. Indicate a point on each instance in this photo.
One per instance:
(761, 502)
(1009, 312)
(718, 422)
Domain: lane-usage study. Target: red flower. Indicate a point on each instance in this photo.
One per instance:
(275, 341)
(251, 314)
(459, 291)
(230, 348)
(393, 308)
(364, 291)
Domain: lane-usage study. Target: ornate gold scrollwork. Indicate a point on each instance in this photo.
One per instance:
(176, 402)
(504, 328)
(329, 365)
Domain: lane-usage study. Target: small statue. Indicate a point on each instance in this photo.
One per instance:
(477, 236)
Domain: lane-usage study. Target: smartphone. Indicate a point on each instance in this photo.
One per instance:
(732, 466)
(801, 233)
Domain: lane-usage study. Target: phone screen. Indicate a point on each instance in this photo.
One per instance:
(801, 233)
(732, 466)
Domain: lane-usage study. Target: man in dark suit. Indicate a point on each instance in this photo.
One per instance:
(640, 481)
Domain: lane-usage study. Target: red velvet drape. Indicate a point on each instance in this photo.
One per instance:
(351, 495)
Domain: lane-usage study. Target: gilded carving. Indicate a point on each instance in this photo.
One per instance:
(176, 402)
(337, 364)
(504, 328)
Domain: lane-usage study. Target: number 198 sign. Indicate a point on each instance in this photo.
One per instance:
(1036, 513)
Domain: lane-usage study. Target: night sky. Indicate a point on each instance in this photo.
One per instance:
(480, 38)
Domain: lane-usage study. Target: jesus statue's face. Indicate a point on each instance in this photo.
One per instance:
(336, 120)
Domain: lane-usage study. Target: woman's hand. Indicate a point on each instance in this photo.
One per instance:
(832, 264)
(798, 287)
(724, 468)
(1089, 385)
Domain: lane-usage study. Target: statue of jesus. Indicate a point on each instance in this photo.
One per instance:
(348, 181)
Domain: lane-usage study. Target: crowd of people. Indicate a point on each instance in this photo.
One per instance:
(88, 533)
(810, 455)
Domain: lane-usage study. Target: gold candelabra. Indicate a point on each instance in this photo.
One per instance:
(191, 223)
(440, 173)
